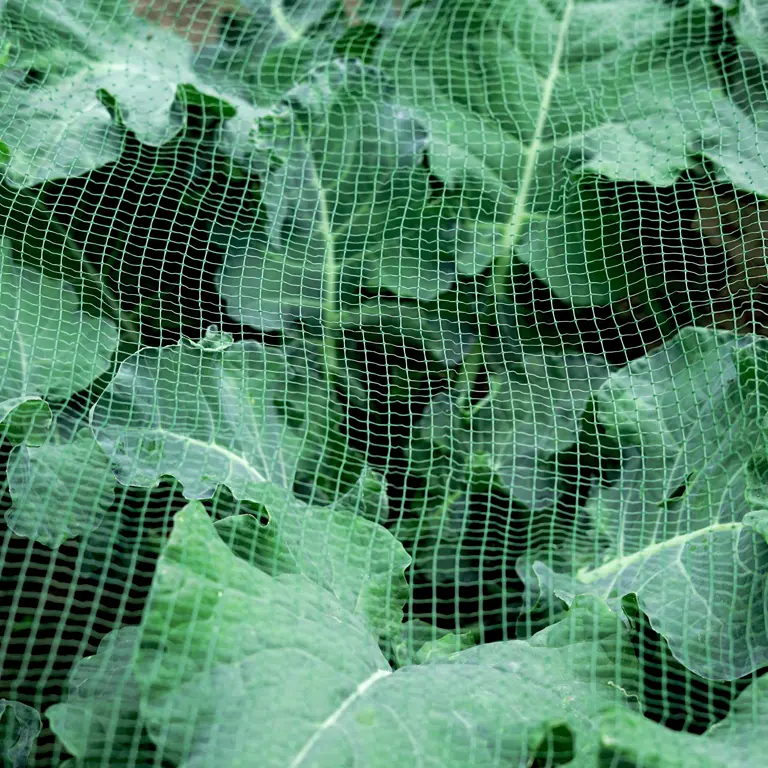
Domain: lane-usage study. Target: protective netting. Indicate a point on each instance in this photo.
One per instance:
(383, 383)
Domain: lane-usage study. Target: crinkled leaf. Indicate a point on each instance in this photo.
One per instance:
(49, 347)
(233, 640)
(100, 713)
(125, 74)
(20, 726)
(686, 421)
(333, 153)
(59, 490)
(520, 100)
(444, 648)
(205, 416)
(531, 414)
(739, 739)
(340, 547)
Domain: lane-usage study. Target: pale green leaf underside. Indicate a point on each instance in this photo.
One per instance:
(60, 490)
(49, 347)
(25, 731)
(204, 416)
(677, 514)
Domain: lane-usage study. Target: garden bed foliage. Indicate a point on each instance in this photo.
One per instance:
(384, 384)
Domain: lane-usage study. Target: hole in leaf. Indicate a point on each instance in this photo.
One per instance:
(557, 748)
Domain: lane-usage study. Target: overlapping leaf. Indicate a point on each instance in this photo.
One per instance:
(340, 547)
(206, 413)
(103, 71)
(289, 650)
(348, 207)
(100, 713)
(739, 739)
(266, 50)
(25, 419)
(49, 347)
(60, 490)
(337, 159)
(519, 100)
(531, 414)
(685, 536)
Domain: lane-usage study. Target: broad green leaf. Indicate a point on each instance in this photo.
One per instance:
(521, 100)
(408, 262)
(445, 329)
(53, 25)
(267, 291)
(126, 74)
(55, 132)
(685, 421)
(738, 145)
(25, 419)
(426, 243)
(20, 726)
(334, 152)
(276, 44)
(581, 252)
(49, 347)
(532, 413)
(233, 640)
(738, 740)
(99, 714)
(751, 26)
(42, 241)
(60, 490)
(736, 142)
(340, 547)
(203, 415)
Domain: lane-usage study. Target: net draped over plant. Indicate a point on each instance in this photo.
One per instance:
(384, 383)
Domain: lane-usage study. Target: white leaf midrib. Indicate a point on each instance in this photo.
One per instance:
(334, 717)
(520, 211)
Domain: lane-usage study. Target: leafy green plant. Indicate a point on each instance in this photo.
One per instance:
(353, 404)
